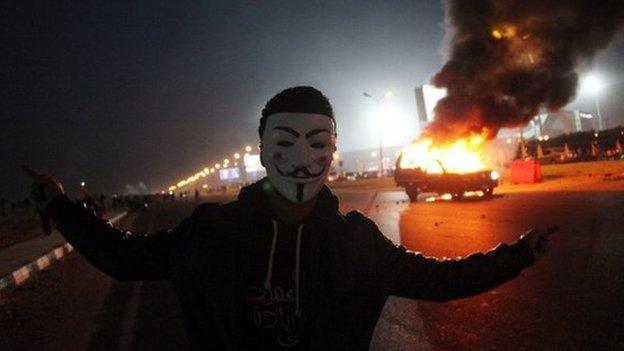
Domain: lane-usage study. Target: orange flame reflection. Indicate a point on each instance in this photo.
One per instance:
(464, 155)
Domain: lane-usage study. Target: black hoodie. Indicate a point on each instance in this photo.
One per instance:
(351, 267)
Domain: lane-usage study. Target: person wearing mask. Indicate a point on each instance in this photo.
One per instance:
(281, 268)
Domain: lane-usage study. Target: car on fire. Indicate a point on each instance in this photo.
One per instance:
(435, 179)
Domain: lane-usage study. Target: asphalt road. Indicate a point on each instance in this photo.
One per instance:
(572, 299)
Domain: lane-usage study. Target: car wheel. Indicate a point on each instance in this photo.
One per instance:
(412, 193)
(488, 192)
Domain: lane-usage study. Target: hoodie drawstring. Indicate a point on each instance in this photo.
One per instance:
(267, 279)
(298, 270)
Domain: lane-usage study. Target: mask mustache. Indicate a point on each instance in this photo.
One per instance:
(304, 170)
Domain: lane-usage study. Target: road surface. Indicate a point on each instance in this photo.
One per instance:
(573, 299)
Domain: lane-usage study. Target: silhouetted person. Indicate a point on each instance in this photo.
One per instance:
(281, 267)
(100, 205)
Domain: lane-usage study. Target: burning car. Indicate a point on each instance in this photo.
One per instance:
(453, 168)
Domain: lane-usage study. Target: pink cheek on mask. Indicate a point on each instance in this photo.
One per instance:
(278, 156)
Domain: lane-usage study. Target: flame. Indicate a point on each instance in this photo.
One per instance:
(507, 32)
(464, 155)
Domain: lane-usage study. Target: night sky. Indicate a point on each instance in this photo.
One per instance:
(152, 92)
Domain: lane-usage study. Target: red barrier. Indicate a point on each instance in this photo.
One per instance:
(525, 171)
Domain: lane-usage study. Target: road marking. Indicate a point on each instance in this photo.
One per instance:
(400, 326)
(25, 272)
(58, 252)
(127, 327)
(117, 217)
(43, 262)
(21, 275)
(126, 334)
(371, 203)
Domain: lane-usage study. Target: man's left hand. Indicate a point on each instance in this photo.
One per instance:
(538, 239)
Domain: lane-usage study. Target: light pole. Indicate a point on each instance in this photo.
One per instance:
(378, 101)
(595, 86)
(601, 125)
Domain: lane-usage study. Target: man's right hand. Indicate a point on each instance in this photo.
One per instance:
(44, 188)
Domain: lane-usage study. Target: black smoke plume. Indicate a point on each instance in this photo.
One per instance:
(509, 59)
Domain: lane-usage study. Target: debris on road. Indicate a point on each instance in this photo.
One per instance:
(611, 176)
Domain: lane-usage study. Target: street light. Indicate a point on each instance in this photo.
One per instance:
(378, 101)
(248, 148)
(594, 85)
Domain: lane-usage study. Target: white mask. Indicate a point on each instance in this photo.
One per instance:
(297, 150)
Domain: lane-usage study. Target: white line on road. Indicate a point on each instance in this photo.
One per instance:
(129, 322)
(400, 326)
(127, 327)
(117, 217)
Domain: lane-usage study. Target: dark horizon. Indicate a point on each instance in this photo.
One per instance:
(117, 94)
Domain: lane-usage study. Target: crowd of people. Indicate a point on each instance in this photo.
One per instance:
(10, 207)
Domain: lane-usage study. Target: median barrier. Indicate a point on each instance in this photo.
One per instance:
(525, 171)
(20, 275)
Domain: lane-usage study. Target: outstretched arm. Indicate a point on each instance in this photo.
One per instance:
(418, 276)
(120, 254)
(410, 274)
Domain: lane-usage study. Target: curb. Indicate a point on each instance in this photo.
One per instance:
(25, 272)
